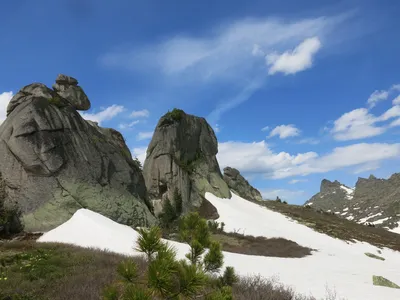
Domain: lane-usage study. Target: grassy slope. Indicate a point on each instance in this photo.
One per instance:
(49, 271)
(336, 227)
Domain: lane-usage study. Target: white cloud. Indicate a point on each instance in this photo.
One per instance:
(396, 101)
(105, 114)
(294, 181)
(376, 97)
(144, 135)
(283, 194)
(140, 153)
(259, 158)
(128, 125)
(285, 131)
(297, 60)
(381, 95)
(4, 100)
(359, 123)
(266, 128)
(144, 113)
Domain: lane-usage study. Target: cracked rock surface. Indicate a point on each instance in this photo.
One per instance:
(182, 156)
(54, 162)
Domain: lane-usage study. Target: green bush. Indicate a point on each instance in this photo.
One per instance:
(171, 213)
(176, 114)
(169, 278)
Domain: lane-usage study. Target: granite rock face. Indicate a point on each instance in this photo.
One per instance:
(53, 162)
(182, 156)
(237, 183)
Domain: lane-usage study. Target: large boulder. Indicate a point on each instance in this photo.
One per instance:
(182, 156)
(237, 183)
(54, 162)
(67, 87)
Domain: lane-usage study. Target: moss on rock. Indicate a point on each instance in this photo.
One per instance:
(381, 281)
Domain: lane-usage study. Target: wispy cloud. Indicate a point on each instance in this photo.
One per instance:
(144, 113)
(238, 54)
(4, 100)
(381, 95)
(128, 125)
(105, 114)
(296, 60)
(294, 181)
(144, 135)
(140, 153)
(285, 131)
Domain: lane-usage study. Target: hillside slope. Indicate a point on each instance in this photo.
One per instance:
(339, 265)
(373, 200)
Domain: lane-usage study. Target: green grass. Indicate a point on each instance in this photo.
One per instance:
(374, 256)
(381, 281)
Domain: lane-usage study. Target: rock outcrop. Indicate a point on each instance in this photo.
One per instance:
(238, 184)
(373, 200)
(182, 156)
(54, 162)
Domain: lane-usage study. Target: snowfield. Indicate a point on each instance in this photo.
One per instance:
(335, 264)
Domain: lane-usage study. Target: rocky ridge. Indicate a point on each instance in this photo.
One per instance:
(53, 162)
(238, 184)
(374, 201)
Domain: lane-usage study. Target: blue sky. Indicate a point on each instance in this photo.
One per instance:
(297, 91)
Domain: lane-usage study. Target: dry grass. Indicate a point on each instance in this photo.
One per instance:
(250, 245)
(64, 272)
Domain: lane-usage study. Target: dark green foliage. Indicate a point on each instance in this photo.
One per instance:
(214, 259)
(168, 278)
(110, 293)
(133, 292)
(216, 227)
(138, 163)
(229, 277)
(178, 202)
(128, 270)
(284, 202)
(176, 114)
(168, 214)
(171, 213)
(278, 200)
(149, 241)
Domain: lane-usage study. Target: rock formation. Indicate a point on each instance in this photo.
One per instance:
(373, 200)
(238, 184)
(54, 162)
(182, 155)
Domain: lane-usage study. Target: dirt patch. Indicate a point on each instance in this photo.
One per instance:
(251, 245)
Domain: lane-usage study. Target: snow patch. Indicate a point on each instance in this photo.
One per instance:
(335, 263)
(349, 192)
(346, 209)
(363, 220)
(380, 221)
(350, 218)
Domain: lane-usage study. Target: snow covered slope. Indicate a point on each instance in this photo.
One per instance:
(335, 264)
